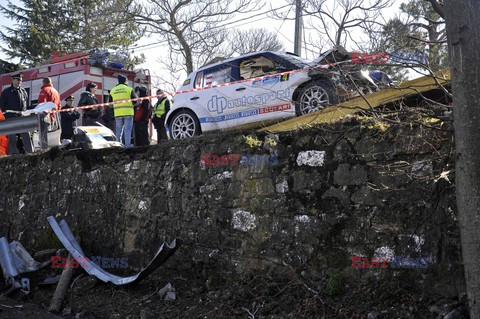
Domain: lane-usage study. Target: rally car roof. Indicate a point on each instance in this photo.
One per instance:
(207, 66)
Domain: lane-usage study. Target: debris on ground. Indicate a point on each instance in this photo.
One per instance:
(64, 233)
(16, 261)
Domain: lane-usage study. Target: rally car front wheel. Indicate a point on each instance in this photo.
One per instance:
(315, 96)
(184, 124)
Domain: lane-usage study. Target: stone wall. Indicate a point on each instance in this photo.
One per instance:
(353, 188)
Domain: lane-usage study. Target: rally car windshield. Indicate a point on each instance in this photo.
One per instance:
(299, 62)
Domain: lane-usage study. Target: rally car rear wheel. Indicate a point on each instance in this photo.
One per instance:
(315, 96)
(184, 124)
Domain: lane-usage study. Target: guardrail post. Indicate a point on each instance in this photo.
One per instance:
(42, 130)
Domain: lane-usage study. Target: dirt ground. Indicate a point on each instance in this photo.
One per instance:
(260, 296)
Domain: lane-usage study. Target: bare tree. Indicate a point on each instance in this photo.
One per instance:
(463, 27)
(339, 18)
(253, 40)
(328, 23)
(193, 29)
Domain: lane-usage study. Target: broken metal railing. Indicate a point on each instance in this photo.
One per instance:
(15, 261)
(63, 232)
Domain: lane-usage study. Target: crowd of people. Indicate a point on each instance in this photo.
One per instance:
(123, 118)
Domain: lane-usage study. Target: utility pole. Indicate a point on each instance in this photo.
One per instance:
(298, 28)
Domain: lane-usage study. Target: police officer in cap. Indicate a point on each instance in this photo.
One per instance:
(68, 119)
(13, 102)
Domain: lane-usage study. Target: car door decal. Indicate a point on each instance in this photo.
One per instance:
(218, 103)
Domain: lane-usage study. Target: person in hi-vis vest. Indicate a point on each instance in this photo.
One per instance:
(123, 111)
(160, 111)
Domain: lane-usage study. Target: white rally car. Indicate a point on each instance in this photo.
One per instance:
(259, 90)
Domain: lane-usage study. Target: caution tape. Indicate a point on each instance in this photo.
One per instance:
(107, 103)
(323, 66)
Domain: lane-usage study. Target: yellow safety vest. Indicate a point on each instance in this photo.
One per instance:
(160, 108)
(122, 92)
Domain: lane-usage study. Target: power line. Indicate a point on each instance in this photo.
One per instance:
(278, 29)
(226, 25)
(253, 16)
(290, 9)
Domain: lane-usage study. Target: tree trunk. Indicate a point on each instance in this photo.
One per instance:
(186, 49)
(463, 32)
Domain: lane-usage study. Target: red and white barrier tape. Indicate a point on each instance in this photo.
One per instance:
(324, 66)
(106, 104)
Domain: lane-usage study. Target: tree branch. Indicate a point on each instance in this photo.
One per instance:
(438, 7)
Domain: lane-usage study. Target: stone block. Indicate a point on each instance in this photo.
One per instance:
(243, 221)
(422, 168)
(350, 175)
(342, 151)
(363, 196)
(129, 242)
(311, 158)
(282, 187)
(388, 176)
(262, 186)
(369, 150)
(299, 181)
(337, 193)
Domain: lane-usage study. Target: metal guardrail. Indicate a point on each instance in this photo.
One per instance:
(25, 124)
(20, 124)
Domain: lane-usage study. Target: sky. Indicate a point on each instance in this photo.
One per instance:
(283, 28)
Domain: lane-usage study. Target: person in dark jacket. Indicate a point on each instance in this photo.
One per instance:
(68, 119)
(160, 111)
(141, 117)
(13, 102)
(91, 115)
(109, 116)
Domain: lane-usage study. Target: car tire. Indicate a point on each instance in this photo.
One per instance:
(315, 96)
(184, 124)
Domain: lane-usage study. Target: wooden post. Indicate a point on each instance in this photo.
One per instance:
(62, 286)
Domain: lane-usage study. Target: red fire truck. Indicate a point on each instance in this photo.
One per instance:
(71, 77)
